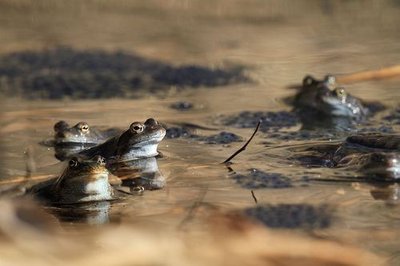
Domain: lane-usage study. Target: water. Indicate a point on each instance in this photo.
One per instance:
(278, 45)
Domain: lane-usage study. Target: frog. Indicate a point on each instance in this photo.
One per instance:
(81, 133)
(140, 140)
(375, 165)
(83, 180)
(318, 104)
(325, 104)
(374, 156)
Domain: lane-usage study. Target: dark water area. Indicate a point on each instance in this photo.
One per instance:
(209, 71)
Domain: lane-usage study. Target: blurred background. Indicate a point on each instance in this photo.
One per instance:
(133, 45)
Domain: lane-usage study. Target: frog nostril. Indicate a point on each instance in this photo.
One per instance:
(101, 160)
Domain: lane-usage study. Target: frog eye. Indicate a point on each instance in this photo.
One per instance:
(136, 128)
(84, 127)
(340, 92)
(73, 163)
(308, 80)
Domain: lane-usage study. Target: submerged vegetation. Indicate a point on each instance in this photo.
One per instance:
(91, 74)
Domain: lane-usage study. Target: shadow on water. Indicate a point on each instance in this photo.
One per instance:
(65, 72)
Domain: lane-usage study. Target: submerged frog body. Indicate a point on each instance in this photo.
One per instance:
(139, 141)
(367, 143)
(388, 142)
(81, 133)
(376, 165)
(84, 180)
(325, 98)
(375, 156)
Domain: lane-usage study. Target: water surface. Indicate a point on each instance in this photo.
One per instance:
(278, 45)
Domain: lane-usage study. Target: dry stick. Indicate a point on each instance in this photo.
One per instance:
(22, 179)
(387, 72)
(244, 146)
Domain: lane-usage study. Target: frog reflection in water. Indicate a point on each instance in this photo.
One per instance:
(84, 180)
(139, 141)
(141, 174)
(324, 104)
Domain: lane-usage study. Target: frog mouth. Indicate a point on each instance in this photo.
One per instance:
(93, 175)
(151, 138)
(143, 148)
(100, 170)
(338, 107)
(73, 139)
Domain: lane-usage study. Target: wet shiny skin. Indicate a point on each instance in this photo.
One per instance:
(139, 141)
(83, 180)
(326, 97)
(81, 133)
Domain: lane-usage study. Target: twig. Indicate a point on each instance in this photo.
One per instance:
(244, 146)
(193, 209)
(30, 163)
(254, 197)
(384, 73)
(22, 179)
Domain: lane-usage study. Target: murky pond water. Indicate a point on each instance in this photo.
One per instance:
(277, 49)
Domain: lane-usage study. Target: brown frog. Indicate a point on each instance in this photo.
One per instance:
(140, 140)
(81, 133)
(83, 180)
(327, 98)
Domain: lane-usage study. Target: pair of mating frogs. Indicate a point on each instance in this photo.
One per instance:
(86, 178)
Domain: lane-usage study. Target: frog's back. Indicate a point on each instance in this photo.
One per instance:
(43, 190)
(106, 149)
(376, 141)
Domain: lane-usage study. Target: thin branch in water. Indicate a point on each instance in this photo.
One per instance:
(383, 73)
(22, 179)
(30, 163)
(193, 209)
(244, 146)
(254, 197)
